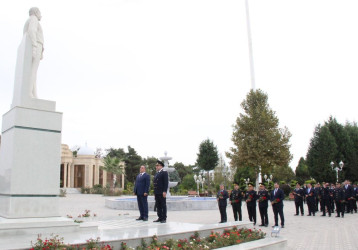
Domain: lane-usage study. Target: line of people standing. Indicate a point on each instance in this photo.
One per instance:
(329, 198)
(252, 198)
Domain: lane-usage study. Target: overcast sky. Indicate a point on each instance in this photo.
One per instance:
(165, 75)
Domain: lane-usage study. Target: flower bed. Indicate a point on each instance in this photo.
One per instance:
(215, 240)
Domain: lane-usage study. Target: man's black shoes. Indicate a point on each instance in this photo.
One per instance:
(157, 220)
(140, 218)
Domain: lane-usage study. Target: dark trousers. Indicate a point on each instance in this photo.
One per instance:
(143, 206)
(252, 213)
(354, 203)
(326, 204)
(348, 206)
(318, 202)
(236, 209)
(311, 207)
(223, 213)
(332, 205)
(263, 215)
(278, 210)
(161, 206)
(340, 208)
(299, 206)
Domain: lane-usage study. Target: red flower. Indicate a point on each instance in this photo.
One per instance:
(179, 245)
(250, 196)
(278, 200)
(264, 197)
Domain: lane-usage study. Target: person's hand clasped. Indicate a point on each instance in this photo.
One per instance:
(164, 194)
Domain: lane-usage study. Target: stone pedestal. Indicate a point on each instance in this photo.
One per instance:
(30, 158)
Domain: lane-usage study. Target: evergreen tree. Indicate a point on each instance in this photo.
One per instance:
(208, 157)
(258, 141)
(302, 173)
(322, 150)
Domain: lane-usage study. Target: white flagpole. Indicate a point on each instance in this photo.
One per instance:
(253, 87)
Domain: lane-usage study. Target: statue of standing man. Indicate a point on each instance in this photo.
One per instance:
(34, 31)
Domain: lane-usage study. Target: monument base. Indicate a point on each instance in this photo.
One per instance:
(34, 226)
(30, 158)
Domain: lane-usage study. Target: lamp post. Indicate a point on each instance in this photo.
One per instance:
(247, 181)
(338, 167)
(224, 173)
(199, 179)
(268, 179)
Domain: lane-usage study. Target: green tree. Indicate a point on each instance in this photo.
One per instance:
(188, 182)
(113, 165)
(283, 173)
(258, 141)
(208, 157)
(182, 169)
(322, 150)
(302, 173)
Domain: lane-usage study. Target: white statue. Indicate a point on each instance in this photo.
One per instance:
(29, 54)
(33, 29)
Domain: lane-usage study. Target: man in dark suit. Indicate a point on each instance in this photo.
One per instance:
(222, 197)
(235, 201)
(311, 200)
(325, 197)
(141, 189)
(264, 197)
(277, 197)
(251, 197)
(339, 197)
(160, 191)
(348, 191)
(299, 195)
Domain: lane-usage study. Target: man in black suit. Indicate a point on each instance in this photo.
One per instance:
(251, 197)
(222, 197)
(235, 201)
(277, 197)
(264, 196)
(325, 196)
(141, 189)
(311, 200)
(348, 191)
(299, 195)
(160, 192)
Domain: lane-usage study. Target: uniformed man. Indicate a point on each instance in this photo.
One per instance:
(263, 198)
(317, 193)
(251, 198)
(325, 197)
(235, 201)
(160, 191)
(311, 200)
(332, 197)
(355, 196)
(339, 198)
(299, 195)
(222, 197)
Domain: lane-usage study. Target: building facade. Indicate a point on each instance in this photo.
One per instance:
(84, 169)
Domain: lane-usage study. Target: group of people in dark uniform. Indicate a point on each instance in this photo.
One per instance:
(327, 198)
(252, 198)
(341, 198)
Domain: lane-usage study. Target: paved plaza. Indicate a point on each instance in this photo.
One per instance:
(302, 232)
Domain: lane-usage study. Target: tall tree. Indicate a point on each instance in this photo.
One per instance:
(302, 172)
(182, 170)
(322, 150)
(208, 156)
(258, 141)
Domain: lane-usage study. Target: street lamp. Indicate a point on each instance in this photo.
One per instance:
(224, 172)
(268, 179)
(338, 168)
(247, 181)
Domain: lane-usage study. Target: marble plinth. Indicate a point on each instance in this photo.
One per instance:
(174, 203)
(35, 226)
(30, 156)
(126, 230)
